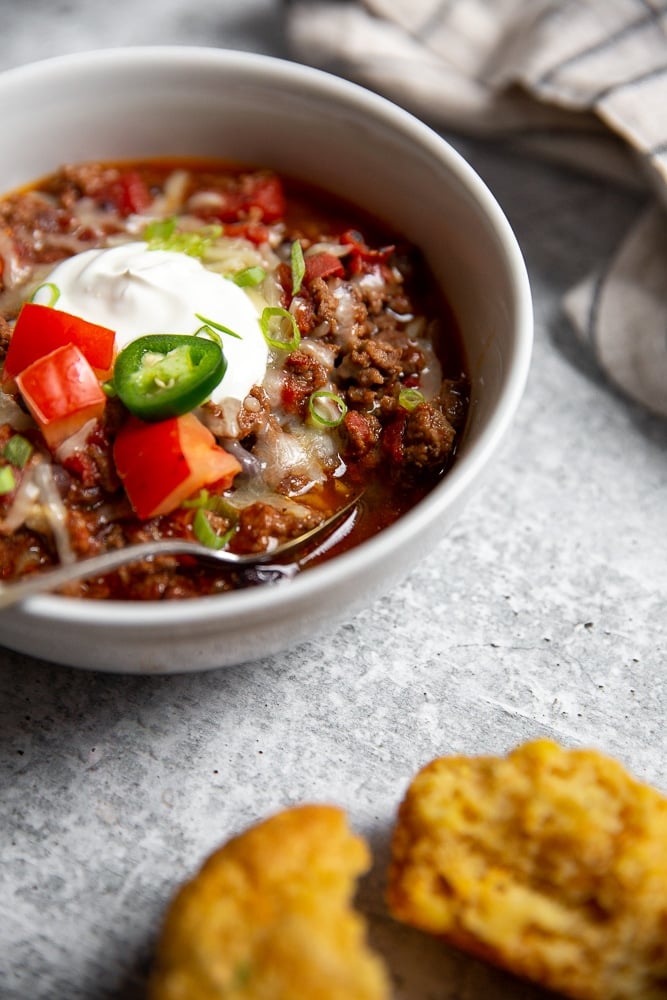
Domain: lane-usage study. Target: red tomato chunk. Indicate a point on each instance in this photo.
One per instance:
(62, 393)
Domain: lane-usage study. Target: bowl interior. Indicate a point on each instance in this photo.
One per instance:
(124, 104)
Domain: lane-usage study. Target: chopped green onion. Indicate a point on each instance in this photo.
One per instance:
(298, 267)
(160, 231)
(205, 534)
(410, 399)
(53, 289)
(322, 403)
(217, 326)
(206, 331)
(266, 322)
(163, 235)
(17, 451)
(214, 503)
(7, 479)
(201, 500)
(205, 503)
(249, 276)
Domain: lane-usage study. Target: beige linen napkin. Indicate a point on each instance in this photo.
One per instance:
(582, 80)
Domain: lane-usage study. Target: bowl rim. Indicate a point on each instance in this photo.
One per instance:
(466, 469)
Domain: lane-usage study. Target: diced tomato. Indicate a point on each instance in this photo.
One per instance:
(268, 196)
(62, 392)
(128, 193)
(322, 265)
(362, 255)
(161, 464)
(256, 232)
(260, 197)
(41, 329)
(392, 438)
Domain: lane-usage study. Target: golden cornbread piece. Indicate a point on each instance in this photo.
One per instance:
(551, 863)
(268, 917)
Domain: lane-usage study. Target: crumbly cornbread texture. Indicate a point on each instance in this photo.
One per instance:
(551, 863)
(269, 917)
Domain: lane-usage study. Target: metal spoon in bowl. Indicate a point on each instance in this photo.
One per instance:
(328, 532)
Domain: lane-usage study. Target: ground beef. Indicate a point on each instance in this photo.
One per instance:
(261, 525)
(412, 357)
(303, 374)
(362, 432)
(303, 311)
(6, 431)
(428, 437)
(94, 467)
(5, 333)
(82, 533)
(31, 219)
(33, 213)
(23, 553)
(324, 301)
(331, 308)
(92, 471)
(373, 364)
(361, 398)
(374, 294)
(254, 414)
(89, 180)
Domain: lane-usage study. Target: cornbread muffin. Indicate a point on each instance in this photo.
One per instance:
(551, 863)
(268, 917)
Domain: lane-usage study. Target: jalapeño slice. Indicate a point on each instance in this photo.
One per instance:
(165, 375)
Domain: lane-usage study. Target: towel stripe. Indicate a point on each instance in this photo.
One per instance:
(634, 81)
(648, 20)
(434, 19)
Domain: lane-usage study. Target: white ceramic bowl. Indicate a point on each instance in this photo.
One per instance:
(127, 103)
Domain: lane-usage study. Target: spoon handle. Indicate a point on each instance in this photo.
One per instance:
(51, 579)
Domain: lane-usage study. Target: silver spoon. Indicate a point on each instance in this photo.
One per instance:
(52, 579)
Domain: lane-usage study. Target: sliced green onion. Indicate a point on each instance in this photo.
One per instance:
(54, 292)
(321, 404)
(410, 399)
(201, 500)
(205, 503)
(163, 235)
(17, 451)
(7, 480)
(298, 267)
(205, 534)
(160, 231)
(217, 326)
(214, 503)
(206, 331)
(249, 276)
(267, 321)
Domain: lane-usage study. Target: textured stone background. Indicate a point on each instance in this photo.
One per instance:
(541, 613)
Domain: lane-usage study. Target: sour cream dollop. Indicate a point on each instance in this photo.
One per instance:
(136, 291)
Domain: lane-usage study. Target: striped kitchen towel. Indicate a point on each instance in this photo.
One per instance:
(584, 81)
